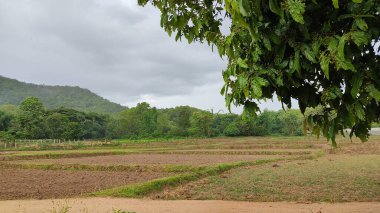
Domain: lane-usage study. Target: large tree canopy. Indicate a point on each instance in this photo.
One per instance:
(319, 52)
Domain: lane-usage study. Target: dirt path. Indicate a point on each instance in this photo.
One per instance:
(188, 206)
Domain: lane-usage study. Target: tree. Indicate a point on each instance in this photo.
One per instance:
(222, 121)
(201, 123)
(73, 131)
(163, 124)
(113, 129)
(140, 120)
(320, 53)
(31, 118)
(182, 120)
(263, 124)
(290, 122)
(56, 125)
(5, 121)
(232, 130)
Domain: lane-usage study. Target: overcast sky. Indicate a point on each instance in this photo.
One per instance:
(114, 48)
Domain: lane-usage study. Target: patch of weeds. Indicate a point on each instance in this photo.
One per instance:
(60, 208)
(121, 211)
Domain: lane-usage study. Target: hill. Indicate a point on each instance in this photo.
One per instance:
(14, 92)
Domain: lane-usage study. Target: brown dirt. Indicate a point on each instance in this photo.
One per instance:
(151, 159)
(41, 184)
(365, 148)
(189, 206)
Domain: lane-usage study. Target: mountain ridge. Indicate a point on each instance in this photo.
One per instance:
(13, 91)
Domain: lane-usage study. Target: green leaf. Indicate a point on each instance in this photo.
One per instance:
(275, 38)
(296, 10)
(332, 132)
(315, 46)
(280, 81)
(256, 84)
(257, 9)
(256, 90)
(221, 50)
(325, 64)
(336, 3)
(223, 90)
(342, 43)
(356, 84)
(280, 54)
(244, 7)
(360, 38)
(359, 111)
(357, 1)
(228, 101)
(308, 53)
(267, 43)
(373, 92)
(361, 24)
(178, 36)
(242, 81)
(331, 94)
(242, 63)
(297, 65)
(275, 8)
(332, 44)
(251, 108)
(345, 64)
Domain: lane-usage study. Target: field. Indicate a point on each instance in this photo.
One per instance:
(294, 169)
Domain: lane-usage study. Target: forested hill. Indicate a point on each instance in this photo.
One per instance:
(14, 92)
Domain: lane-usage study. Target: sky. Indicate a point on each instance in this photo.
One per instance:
(114, 48)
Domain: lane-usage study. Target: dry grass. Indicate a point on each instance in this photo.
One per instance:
(338, 178)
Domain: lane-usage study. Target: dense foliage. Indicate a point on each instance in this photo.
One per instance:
(32, 121)
(318, 52)
(14, 92)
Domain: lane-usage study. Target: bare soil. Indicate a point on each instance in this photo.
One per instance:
(189, 206)
(42, 184)
(151, 159)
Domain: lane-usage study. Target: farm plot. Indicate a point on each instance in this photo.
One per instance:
(152, 159)
(41, 184)
(135, 170)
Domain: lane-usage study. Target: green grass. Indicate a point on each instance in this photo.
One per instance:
(329, 179)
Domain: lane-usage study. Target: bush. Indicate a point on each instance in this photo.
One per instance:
(232, 130)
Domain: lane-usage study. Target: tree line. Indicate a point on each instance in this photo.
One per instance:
(31, 120)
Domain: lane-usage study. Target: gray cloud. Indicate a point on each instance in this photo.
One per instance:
(114, 48)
